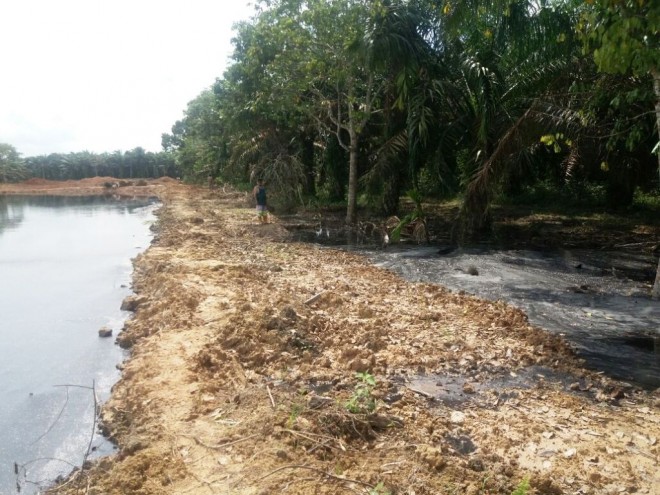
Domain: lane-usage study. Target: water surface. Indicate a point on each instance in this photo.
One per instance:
(65, 266)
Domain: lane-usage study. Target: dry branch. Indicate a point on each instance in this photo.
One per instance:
(270, 395)
(314, 298)
(320, 471)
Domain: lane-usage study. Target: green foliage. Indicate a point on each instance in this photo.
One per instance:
(556, 142)
(380, 489)
(647, 201)
(133, 164)
(416, 216)
(362, 401)
(622, 34)
(560, 196)
(344, 99)
(296, 410)
(522, 488)
(12, 166)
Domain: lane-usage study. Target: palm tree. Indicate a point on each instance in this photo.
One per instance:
(500, 62)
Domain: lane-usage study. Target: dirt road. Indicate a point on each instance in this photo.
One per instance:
(261, 366)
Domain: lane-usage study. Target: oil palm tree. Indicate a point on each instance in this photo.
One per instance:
(499, 61)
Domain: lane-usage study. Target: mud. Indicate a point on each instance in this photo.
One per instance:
(598, 300)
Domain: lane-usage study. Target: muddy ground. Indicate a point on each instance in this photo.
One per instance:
(264, 366)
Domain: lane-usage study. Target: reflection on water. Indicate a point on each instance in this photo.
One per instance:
(11, 215)
(64, 269)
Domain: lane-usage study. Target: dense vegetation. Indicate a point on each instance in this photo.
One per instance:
(363, 101)
(136, 163)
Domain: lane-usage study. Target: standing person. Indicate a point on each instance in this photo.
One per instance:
(259, 193)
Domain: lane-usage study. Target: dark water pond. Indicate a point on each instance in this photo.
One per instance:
(65, 266)
(600, 301)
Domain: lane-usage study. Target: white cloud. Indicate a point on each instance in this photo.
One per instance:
(102, 75)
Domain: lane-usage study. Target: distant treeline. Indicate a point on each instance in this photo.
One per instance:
(136, 163)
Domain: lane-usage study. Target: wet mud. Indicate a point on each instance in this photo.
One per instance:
(598, 300)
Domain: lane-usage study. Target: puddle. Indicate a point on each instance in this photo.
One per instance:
(456, 391)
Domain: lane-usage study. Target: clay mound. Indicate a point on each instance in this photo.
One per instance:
(167, 180)
(95, 181)
(35, 181)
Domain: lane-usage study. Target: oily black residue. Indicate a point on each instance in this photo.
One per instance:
(598, 300)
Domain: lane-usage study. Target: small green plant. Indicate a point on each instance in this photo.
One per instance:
(522, 488)
(380, 489)
(296, 409)
(362, 401)
(416, 217)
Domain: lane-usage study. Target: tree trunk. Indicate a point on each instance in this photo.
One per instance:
(655, 293)
(392, 193)
(307, 141)
(351, 210)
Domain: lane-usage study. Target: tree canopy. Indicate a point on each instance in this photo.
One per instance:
(133, 164)
(12, 167)
(360, 101)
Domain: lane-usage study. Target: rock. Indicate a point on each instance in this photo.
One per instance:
(360, 365)
(476, 464)
(431, 456)
(105, 332)
(317, 401)
(468, 388)
(457, 417)
(131, 303)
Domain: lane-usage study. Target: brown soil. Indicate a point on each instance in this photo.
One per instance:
(238, 381)
(86, 187)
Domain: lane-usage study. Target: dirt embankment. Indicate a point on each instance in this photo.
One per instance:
(261, 366)
(89, 187)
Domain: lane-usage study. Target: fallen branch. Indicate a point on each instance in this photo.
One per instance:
(76, 473)
(272, 401)
(320, 471)
(635, 450)
(634, 244)
(318, 443)
(218, 447)
(66, 402)
(314, 298)
(421, 392)
(96, 414)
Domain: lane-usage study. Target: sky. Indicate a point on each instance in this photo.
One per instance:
(106, 75)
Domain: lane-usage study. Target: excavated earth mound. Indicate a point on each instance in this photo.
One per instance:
(264, 366)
